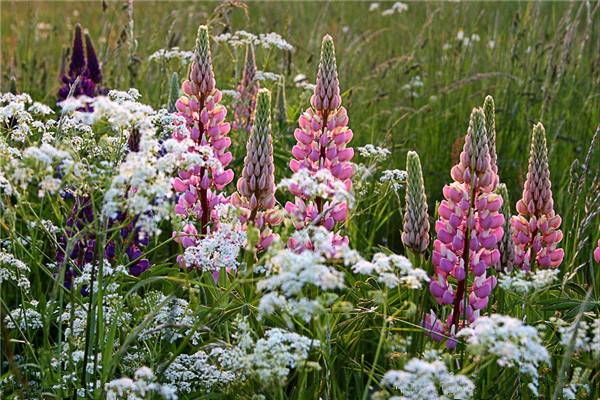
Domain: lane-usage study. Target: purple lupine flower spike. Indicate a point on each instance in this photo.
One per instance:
(93, 66)
(199, 187)
(84, 68)
(323, 136)
(469, 228)
(248, 89)
(536, 232)
(77, 65)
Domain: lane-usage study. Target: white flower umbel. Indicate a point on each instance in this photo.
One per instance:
(392, 271)
(427, 379)
(265, 40)
(395, 177)
(173, 320)
(269, 360)
(374, 152)
(515, 344)
(291, 276)
(140, 387)
(526, 282)
(13, 270)
(174, 53)
(26, 317)
(219, 249)
(584, 337)
(318, 185)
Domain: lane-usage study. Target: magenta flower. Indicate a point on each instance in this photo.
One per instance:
(248, 89)
(256, 187)
(597, 253)
(323, 136)
(536, 230)
(469, 229)
(199, 186)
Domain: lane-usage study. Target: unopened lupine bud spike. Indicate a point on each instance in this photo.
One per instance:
(416, 218)
(256, 186)
(327, 89)
(93, 66)
(506, 246)
(536, 232)
(474, 163)
(174, 93)
(77, 64)
(489, 109)
(201, 71)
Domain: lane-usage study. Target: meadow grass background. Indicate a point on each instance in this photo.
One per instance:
(544, 66)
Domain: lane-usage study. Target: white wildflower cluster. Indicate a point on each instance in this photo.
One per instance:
(392, 271)
(584, 337)
(173, 320)
(267, 76)
(396, 8)
(269, 360)
(25, 317)
(374, 152)
(427, 379)
(14, 115)
(121, 110)
(395, 177)
(514, 344)
(525, 282)
(45, 166)
(149, 172)
(189, 373)
(13, 270)
(219, 249)
(142, 385)
(291, 276)
(174, 53)
(321, 184)
(265, 40)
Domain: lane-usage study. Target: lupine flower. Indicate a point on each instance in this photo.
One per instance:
(85, 66)
(490, 127)
(468, 232)
(256, 186)
(535, 230)
(322, 138)
(416, 218)
(199, 187)
(83, 248)
(506, 245)
(248, 88)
